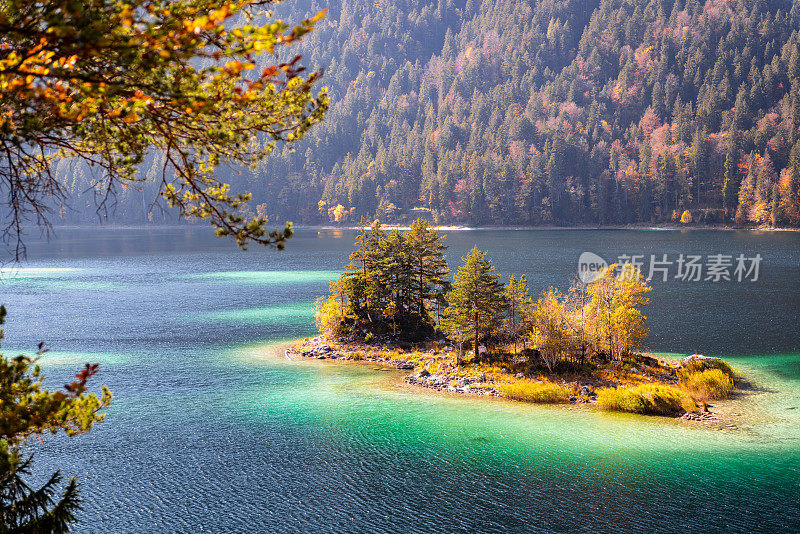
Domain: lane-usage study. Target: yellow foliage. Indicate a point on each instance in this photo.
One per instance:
(647, 399)
(686, 217)
(617, 93)
(708, 384)
(615, 323)
(695, 365)
(338, 213)
(328, 317)
(529, 391)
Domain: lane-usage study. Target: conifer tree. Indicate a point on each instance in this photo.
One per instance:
(730, 187)
(427, 263)
(476, 302)
(28, 411)
(394, 272)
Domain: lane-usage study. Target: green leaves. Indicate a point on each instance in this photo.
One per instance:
(393, 279)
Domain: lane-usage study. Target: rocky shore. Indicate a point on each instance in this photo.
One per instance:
(319, 349)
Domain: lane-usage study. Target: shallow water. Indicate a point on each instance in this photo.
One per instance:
(212, 429)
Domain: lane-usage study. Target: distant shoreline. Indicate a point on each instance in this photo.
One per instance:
(449, 228)
(456, 228)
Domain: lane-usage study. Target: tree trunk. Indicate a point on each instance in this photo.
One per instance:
(475, 323)
(514, 326)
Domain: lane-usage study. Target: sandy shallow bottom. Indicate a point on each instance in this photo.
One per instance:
(765, 412)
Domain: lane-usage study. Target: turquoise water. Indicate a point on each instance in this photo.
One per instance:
(213, 429)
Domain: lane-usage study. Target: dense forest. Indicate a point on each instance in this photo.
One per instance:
(527, 112)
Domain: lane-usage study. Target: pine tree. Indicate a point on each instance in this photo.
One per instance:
(730, 186)
(428, 264)
(699, 156)
(476, 302)
(362, 283)
(395, 273)
(776, 216)
(28, 411)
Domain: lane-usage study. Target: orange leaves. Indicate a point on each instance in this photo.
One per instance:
(220, 14)
(126, 16)
(319, 16)
(234, 68)
(67, 62)
(212, 20)
(269, 72)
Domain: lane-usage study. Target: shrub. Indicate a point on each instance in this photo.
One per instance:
(529, 391)
(696, 365)
(649, 399)
(708, 384)
(328, 317)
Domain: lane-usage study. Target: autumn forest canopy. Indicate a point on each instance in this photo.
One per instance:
(534, 112)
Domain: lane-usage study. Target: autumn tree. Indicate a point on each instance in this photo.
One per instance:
(615, 319)
(330, 311)
(106, 83)
(549, 328)
(476, 302)
(29, 412)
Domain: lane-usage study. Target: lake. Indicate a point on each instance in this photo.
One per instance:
(212, 429)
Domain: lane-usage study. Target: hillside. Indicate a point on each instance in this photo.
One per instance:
(545, 112)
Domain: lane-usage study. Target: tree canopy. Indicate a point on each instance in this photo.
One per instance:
(476, 303)
(393, 283)
(105, 85)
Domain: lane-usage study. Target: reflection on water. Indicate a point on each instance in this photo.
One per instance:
(214, 429)
(265, 277)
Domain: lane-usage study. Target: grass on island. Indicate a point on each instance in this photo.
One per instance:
(648, 399)
(692, 365)
(699, 380)
(709, 384)
(530, 391)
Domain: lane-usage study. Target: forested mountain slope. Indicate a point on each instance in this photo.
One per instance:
(546, 112)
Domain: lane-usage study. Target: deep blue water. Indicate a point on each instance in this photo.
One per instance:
(212, 429)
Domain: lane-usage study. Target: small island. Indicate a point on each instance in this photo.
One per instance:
(396, 304)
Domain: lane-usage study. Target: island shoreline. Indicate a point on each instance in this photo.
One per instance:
(459, 381)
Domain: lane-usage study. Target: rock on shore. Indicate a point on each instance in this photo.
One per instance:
(451, 382)
(317, 348)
